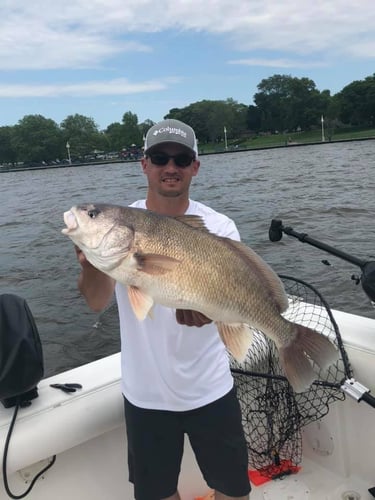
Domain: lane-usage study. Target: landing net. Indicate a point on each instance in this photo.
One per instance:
(273, 414)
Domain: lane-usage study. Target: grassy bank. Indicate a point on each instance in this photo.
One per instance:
(277, 140)
(256, 142)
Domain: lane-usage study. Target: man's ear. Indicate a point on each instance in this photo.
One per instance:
(143, 164)
(196, 166)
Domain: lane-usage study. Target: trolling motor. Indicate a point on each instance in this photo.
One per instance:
(367, 279)
(21, 368)
(21, 356)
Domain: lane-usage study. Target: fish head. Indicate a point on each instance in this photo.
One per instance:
(100, 232)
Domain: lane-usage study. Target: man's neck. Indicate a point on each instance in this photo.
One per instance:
(167, 206)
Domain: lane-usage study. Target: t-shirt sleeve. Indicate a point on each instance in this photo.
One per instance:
(228, 229)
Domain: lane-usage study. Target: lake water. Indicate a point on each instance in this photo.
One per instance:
(326, 191)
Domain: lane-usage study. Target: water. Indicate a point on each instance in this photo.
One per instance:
(326, 191)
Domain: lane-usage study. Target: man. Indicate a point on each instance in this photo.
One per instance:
(176, 377)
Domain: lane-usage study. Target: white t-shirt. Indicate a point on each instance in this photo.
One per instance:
(167, 366)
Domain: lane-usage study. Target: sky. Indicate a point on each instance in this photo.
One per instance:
(103, 58)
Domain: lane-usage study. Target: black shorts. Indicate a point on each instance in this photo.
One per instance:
(155, 448)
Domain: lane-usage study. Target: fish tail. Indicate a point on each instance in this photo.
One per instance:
(296, 356)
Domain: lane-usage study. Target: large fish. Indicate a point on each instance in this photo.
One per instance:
(176, 262)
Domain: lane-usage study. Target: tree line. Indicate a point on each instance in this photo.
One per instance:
(282, 104)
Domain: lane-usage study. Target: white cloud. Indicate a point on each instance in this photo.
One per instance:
(277, 63)
(119, 86)
(85, 33)
(364, 49)
(58, 50)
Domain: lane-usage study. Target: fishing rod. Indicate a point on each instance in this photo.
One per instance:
(367, 278)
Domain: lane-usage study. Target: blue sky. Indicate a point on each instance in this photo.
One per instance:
(102, 58)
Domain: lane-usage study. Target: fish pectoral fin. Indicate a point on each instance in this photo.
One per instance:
(155, 264)
(141, 302)
(237, 338)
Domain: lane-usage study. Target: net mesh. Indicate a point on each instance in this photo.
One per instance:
(273, 414)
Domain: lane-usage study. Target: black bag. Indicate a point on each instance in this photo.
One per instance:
(21, 356)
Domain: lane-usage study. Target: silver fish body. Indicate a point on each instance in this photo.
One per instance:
(176, 262)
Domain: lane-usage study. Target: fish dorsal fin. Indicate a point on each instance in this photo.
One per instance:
(195, 221)
(264, 272)
(237, 338)
(154, 264)
(140, 302)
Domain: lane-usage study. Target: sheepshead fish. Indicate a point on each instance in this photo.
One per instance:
(176, 262)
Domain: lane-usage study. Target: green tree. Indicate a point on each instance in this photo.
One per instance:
(8, 153)
(145, 126)
(219, 115)
(288, 103)
(208, 119)
(115, 136)
(194, 115)
(254, 118)
(83, 135)
(131, 129)
(357, 102)
(37, 139)
(238, 116)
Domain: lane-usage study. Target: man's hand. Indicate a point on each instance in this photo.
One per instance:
(96, 287)
(81, 257)
(191, 318)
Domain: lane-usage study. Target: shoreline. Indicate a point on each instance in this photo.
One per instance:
(237, 150)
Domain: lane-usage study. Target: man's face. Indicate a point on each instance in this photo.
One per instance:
(173, 178)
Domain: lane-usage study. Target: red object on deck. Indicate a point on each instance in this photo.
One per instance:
(265, 474)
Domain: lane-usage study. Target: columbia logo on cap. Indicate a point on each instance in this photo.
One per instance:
(170, 130)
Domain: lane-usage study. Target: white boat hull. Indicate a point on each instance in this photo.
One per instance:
(86, 431)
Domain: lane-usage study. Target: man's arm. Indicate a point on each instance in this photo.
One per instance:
(96, 287)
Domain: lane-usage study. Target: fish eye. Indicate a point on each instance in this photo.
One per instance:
(93, 213)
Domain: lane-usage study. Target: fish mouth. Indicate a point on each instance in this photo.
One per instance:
(70, 221)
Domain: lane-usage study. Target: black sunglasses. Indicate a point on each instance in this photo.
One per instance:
(181, 160)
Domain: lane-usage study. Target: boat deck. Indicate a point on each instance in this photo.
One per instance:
(313, 482)
(105, 476)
